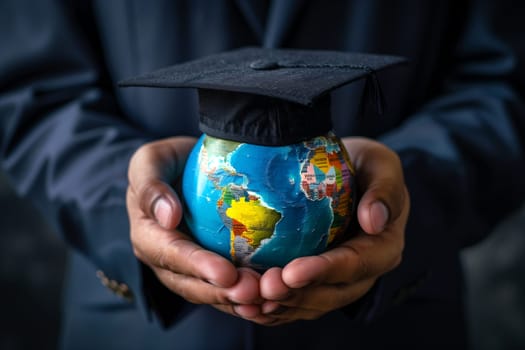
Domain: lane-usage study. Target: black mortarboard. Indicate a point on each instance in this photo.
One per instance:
(269, 96)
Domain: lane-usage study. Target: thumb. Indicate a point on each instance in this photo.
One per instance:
(162, 204)
(152, 168)
(373, 215)
(380, 179)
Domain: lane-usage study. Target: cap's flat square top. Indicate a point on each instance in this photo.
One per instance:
(299, 76)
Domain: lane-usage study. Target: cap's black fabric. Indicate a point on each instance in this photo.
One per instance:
(268, 96)
(261, 120)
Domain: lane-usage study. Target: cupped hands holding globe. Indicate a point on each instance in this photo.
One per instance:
(307, 287)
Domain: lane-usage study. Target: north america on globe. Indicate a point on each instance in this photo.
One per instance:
(263, 206)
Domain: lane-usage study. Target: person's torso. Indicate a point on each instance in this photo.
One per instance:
(138, 37)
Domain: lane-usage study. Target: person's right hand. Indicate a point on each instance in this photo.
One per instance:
(194, 273)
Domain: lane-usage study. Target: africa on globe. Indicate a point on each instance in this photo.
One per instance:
(263, 206)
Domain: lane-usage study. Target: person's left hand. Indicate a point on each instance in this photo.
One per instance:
(309, 287)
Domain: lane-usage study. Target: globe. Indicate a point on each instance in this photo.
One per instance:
(263, 206)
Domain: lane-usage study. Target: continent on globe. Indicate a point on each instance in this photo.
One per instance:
(326, 172)
(248, 219)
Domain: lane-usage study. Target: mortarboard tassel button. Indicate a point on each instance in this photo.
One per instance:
(263, 64)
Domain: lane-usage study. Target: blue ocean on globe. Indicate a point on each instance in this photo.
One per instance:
(263, 206)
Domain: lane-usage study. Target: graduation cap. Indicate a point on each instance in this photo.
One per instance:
(269, 96)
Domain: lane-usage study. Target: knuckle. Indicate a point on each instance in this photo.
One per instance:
(392, 155)
(137, 157)
(354, 258)
(221, 298)
(137, 253)
(129, 195)
(135, 245)
(160, 259)
(396, 261)
(396, 159)
(191, 257)
(363, 269)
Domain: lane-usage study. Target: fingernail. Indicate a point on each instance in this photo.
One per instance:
(235, 309)
(274, 309)
(162, 212)
(379, 216)
(246, 311)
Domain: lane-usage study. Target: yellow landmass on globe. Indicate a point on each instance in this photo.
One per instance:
(258, 221)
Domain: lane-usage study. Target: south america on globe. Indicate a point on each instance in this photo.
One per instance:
(263, 206)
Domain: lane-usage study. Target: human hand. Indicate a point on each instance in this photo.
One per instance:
(194, 273)
(309, 287)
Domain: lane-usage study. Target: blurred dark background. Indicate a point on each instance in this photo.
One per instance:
(33, 258)
(32, 261)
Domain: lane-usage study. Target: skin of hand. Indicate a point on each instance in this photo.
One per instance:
(155, 211)
(309, 287)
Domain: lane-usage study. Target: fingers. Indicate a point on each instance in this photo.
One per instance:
(151, 200)
(272, 285)
(339, 265)
(380, 180)
(309, 302)
(308, 287)
(315, 301)
(304, 289)
(197, 291)
(363, 256)
(194, 273)
(151, 171)
(241, 299)
(316, 285)
(174, 251)
(348, 263)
